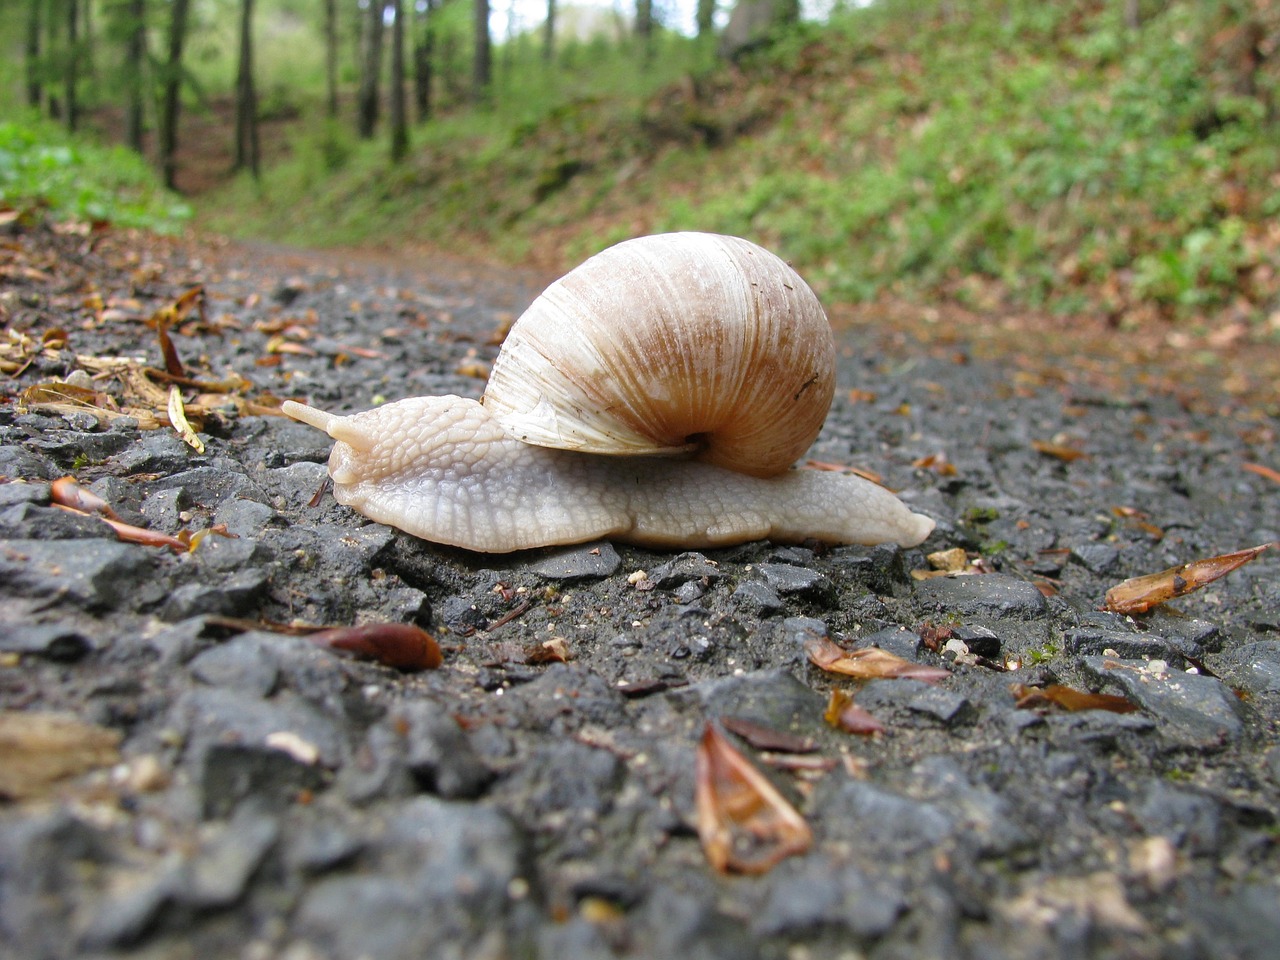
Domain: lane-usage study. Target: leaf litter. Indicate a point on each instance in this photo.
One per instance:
(1140, 594)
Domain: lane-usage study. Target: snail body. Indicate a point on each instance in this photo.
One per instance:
(657, 394)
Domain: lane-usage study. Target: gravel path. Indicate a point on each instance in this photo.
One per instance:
(185, 780)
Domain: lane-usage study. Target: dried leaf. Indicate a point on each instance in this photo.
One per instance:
(745, 824)
(1140, 594)
(172, 362)
(1059, 451)
(767, 738)
(554, 650)
(66, 492)
(938, 463)
(39, 749)
(1068, 698)
(178, 417)
(401, 646)
(868, 663)
(843, 714)
(1260, 470)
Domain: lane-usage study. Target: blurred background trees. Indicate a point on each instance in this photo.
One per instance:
(1112, 155)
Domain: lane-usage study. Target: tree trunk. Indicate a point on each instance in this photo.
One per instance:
(482, 62)
(72, 65)
(706, 18)
(644, 27)
(423, 49)
(331, 55)
(370, 71)
(34, 68)
(399, 121)
(172, 90)
(549, 33)
(247, 153)
(1132, 14)
(135, 55)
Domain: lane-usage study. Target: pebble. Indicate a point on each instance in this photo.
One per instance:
(1192, 709)
(787, 579)
(993, 596)
(93, 574)
(684, 568)
(588, 561)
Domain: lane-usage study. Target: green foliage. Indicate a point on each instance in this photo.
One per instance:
(40, 166)
(1001, 152)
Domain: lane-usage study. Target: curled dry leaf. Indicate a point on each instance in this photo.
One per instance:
(66, 492)
(39, 749)
(1068, 698)
(745, 824)
(1059, 451)
(868, 663)
(401, 646)
(178, 417)
(1140, 594)
(843, 714)
(1262, 471)
(767, 738)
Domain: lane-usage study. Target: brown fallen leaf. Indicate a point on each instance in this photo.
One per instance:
(843, 714)
(401, 646)
(767, 738)
(1140, 594)
(66, 492)
(1260, 470)
(1059, 451)
(938, 463)
(40, 749)
(745, 824)
(868, 663)
(1068, 698)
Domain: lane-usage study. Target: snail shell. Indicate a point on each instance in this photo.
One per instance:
(696, 346)
(677, 343)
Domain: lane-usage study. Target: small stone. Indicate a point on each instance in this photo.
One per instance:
(589, 561)
(244, 518)
(243, 663)
(818, 891)
(944, 705)
(219, 872)
(899, 641)
(988, 595)
(1192, 821)
(785, 578)
(1130, 646)
(685, 568)
(771, 698)
(20, 463)
(689, 592)
(979, 640)
(236, 596)
(94, 574)
(62, 642)
(419, 746)
(756, 596)
(1096, 557)
(1255, 667)
(1192, 709)
(882, 568)
(30, 521)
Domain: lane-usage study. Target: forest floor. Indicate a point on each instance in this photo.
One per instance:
(190, 773)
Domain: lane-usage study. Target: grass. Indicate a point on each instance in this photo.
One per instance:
(44, 169)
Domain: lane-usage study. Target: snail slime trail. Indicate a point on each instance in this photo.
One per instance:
(657, 394)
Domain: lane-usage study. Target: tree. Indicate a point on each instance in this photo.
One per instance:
(172, 90)
(135, 55)
(34, 69)
(71, 68)
(370, 70)
(549, 33)
(423, 49)
(644, 27)
(482, 62)
(399, 123)
(247, 153)
(331, 55)
(705, 18)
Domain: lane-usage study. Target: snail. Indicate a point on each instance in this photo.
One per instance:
(657, 394)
